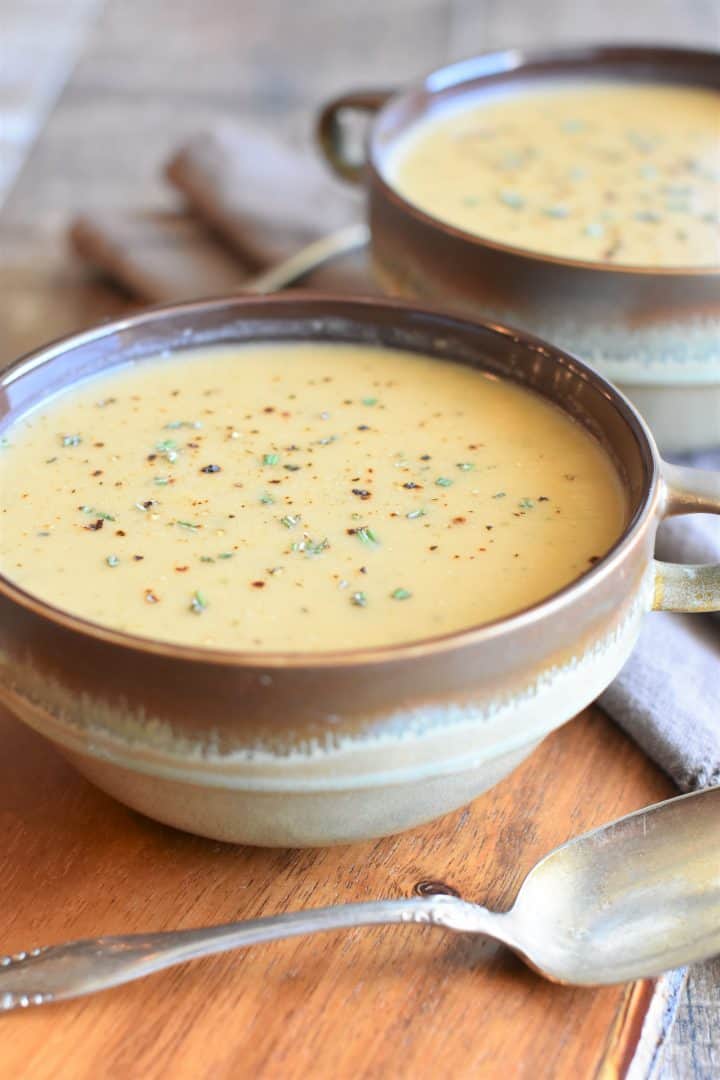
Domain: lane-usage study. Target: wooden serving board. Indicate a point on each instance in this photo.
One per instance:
(385, 1002)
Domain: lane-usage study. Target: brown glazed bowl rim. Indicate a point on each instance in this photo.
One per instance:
(474, 634)
(515, 63)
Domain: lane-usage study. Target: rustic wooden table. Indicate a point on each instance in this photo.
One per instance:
(93, 96)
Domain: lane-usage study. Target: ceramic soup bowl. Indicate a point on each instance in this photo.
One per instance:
(322, 748)
(654, 331)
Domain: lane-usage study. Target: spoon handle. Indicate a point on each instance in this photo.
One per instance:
(309, 258)
(84, 967)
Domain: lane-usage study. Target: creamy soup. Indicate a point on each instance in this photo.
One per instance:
(301, 497)
(626, 173)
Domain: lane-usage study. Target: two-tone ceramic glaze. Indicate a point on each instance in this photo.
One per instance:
(307, 749)
(654, 331)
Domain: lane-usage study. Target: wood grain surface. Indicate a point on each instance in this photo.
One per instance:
(128, 80)
(387, 1002)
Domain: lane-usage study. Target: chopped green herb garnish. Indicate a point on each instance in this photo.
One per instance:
(112, 560)
(317, 548)
(96, 513)
(71, 440)
(512, 199)
(267, 498)
(290, 520)
(526, 504)
(206, 558)
(187, 525)
(499, 494)
(198, 604)
(367, 536)
(162, 481)
(443, 481)
(168, 447)
(225, 555)
(5, 443)
(421, 512)
(648, 215)
(401, 594)
(270, 459)
(359, 599)
(50, 460)
(557, 211)
(369, 401)
(174, 424)
(465, 466)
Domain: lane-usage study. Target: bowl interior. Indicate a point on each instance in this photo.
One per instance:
(515, 71)
(297, 317)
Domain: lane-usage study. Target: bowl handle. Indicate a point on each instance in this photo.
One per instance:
(331, 134)
(688, 588)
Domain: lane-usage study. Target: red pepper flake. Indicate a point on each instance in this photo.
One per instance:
(459, 520)
(412, 486)
(98, 472)
(269, 409)
(151, 597)
(181, 569)
(138, 558)
(120, 532)
(433, 547)
(258, 584)
(95, 526)
(210, 469)
(363, 493)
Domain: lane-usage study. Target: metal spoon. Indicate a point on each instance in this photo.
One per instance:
(309, 258)
(629, 900)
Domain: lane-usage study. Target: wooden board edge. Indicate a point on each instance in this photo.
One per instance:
(641, 1027)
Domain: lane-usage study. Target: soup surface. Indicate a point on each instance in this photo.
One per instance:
(606, 171)
(300, 497)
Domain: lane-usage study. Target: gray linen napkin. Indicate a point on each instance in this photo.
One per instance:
(667, 697)
(265, 199)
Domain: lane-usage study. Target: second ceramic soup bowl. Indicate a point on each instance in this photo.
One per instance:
(329, 747)
(653, 330)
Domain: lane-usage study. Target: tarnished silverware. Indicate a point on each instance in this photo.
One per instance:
(628, 900)
(312, 257)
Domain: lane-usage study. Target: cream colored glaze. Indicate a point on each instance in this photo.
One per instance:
(627, 173)
(537, 500)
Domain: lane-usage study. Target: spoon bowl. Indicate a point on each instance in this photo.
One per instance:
(631, 899)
